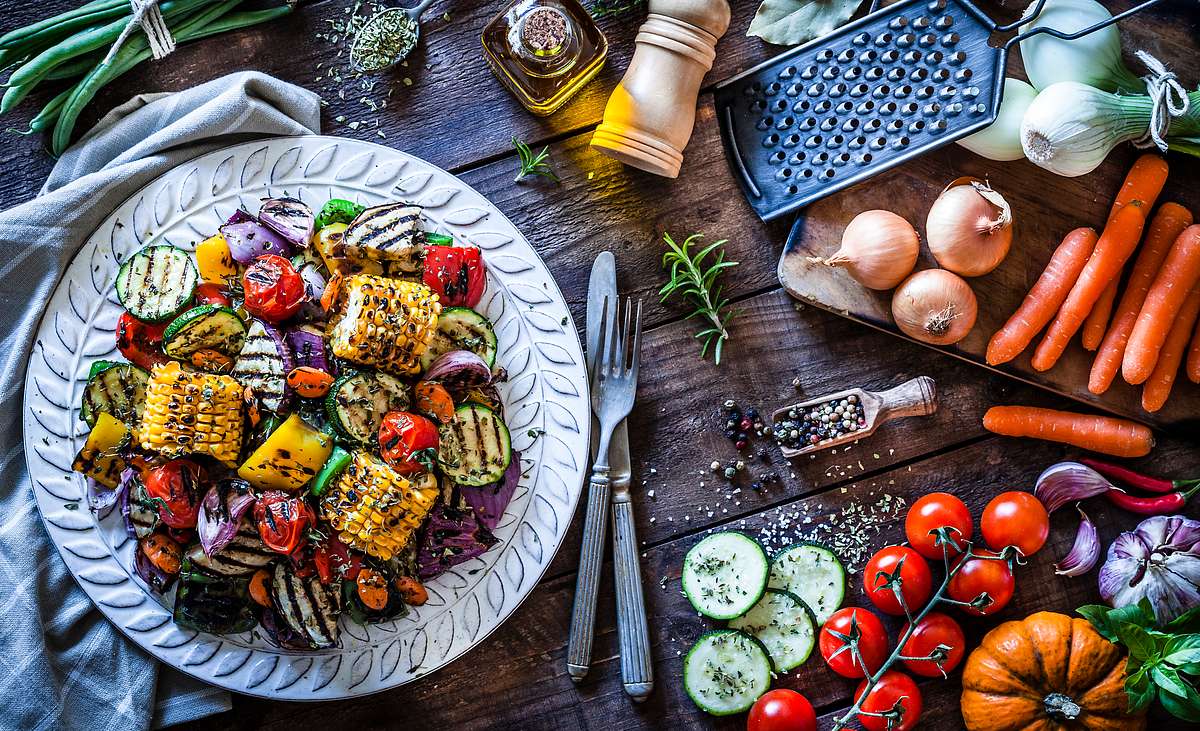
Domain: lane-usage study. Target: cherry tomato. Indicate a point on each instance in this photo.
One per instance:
(208, 293)
(916, 582)
(980, 575)
(140, 342)
(455, 274)
(408, 442)
(273, 288)
(1015, 519)
(177, 488)
(895, 692)
(933, 630)
(781, 710)
(846, 625)
(933, 511)
(283, 520)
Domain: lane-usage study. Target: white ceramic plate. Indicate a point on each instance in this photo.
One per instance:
(545, 399)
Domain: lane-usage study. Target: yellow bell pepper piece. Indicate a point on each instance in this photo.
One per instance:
(99, 459)
(215, 261)
(328, 243)
(289, 458)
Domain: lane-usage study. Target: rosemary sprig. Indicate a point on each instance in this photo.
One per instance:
(603, 8)
(696, 279)
(531, 163)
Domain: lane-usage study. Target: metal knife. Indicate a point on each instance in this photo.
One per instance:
(636, 671)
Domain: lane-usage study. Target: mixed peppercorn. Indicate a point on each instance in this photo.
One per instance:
(806, 426)
(740, 428)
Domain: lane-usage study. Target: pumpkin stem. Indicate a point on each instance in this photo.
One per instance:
(1061, 708)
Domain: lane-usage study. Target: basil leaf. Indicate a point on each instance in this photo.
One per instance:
(1166, 678)
(1188, 622)
(1182, 650)
(1186, 708)
(1140, 691)
(1142, 645)
(1099, 616)
(792, 22)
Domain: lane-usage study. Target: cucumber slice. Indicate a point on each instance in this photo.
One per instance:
(357, 403)
(206, 326)
(461, 328)
(725, 575)
(785, 626)
(814, 574)
(157, 282)
(116, 388)
(475, 447)
(726, 671)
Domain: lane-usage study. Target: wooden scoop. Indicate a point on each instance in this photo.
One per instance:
(917, 397)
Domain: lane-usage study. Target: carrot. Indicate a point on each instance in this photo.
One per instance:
(259, 591)
(411, 591)
(1043, 300)
(1162, 378)
(1097, 319)
(164, 553)
(309, 382)
(1193, 360)
(1116, 244)
(433, 399)
(372, 589)
(1179, 273)
(1144, 182)
(1106, 434)
(1169, 221)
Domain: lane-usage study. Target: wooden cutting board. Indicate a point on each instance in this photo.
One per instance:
(1045, 207)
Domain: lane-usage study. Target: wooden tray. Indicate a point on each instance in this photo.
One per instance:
(1045, 207)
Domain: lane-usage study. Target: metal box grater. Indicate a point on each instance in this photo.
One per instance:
(906, 79)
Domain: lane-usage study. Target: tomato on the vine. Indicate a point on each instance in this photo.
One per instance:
(894, 693)
(272, 288)
(283, 520)
(208, 293)
(408, 442)
(140, 342)
(781, 710)
(931, 512)
(916, 581)
(846, 627)
(1015, 519)
(989, 574)
(176, 488)
(933, 631)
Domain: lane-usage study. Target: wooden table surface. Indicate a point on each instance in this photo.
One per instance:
(447, 108)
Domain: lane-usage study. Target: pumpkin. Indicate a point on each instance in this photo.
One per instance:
(1047, 672)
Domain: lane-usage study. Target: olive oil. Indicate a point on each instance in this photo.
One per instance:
(544, 51)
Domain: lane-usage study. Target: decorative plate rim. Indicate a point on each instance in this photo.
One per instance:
(245, 666)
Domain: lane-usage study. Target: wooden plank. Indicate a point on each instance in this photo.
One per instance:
(519, 673)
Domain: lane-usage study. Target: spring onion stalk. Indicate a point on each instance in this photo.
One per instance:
(1071, 127)
(1093, 59)
(1001, 140)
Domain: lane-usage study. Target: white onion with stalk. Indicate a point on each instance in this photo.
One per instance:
(935, 306)
(879, 249)
(1001, 140)
(969, 228)
(1093, 59)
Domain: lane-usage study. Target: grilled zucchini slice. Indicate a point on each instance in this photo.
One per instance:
(157, 282)
(461, 328)
(357, 403)
(475, 447)
(116, 388)
(206, 326)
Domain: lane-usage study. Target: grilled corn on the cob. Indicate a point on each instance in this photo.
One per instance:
(384, 323)
(192, 413)
(375, 509)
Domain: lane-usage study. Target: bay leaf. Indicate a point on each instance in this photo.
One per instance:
(792, 22)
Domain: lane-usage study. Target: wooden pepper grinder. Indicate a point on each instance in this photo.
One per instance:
(650, 115)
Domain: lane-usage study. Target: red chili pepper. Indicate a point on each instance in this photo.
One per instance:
(1137, 479)
(1171, 502)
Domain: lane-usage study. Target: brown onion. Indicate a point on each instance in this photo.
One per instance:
(969, 228)
(879, 249)
(935, 306)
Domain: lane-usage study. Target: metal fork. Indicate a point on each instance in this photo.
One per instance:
(614, 385)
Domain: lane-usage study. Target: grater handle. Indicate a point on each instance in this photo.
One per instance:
(1067, 36)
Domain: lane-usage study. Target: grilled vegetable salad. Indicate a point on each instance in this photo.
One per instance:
(306, 424)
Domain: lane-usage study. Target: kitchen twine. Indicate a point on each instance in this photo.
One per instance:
(147, 15)
(1169, 97)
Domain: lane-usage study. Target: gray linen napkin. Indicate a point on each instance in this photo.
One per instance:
(64, 665)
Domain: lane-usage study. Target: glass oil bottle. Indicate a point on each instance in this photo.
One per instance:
(544, 51)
